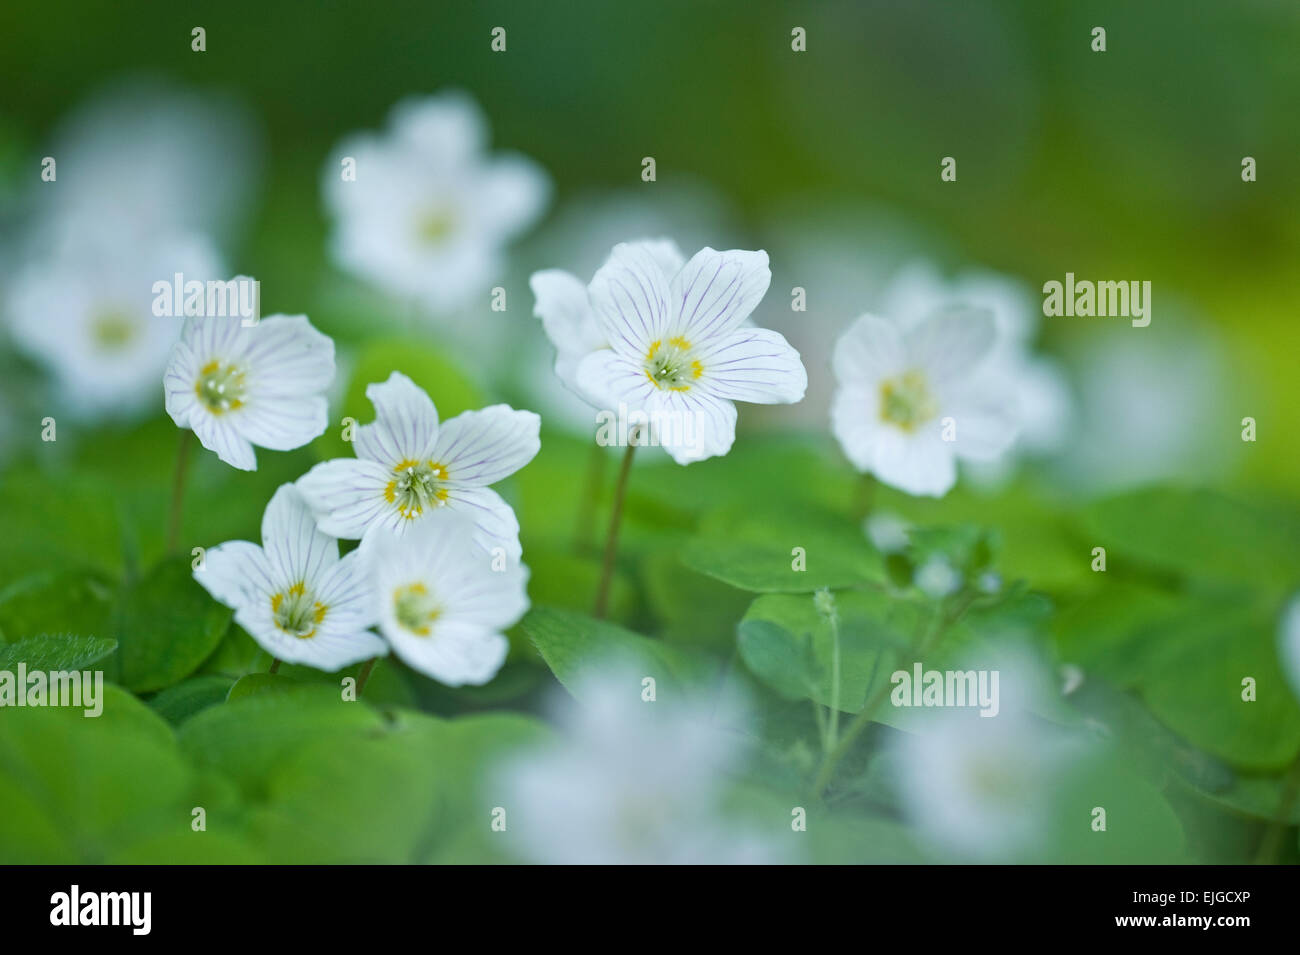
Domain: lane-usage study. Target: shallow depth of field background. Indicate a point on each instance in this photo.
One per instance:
(1116, 166)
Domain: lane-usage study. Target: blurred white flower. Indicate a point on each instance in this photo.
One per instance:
(1288, 644)
(1036, 388)
(294, 595)
(442, 603)
(633, 782)
(85, 312)
(429, 213)
(145, 157)
(411, 470)
(887, 532)
(570, 320)
(1145, 397)
(937, 578)
(680, 349)
(983, 788)
(909, 402)
(237, 386)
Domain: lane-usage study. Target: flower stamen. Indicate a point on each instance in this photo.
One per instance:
(907, 402)
(297, 612)
(417, 485)
(415, 609)
(672, 365)
(220, 387)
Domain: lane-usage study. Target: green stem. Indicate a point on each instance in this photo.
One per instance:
(364, 675)
(178, 489)
(275, 665)
(921, 646)
(615, 519)
(585, 523)
(866, 496)
(833, 731)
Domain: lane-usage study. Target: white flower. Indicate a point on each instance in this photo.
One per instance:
(1035, 387)
(569, 319)
(411, 470)
(680, 353)
(633, 783)
(908, 403)
(1288, 644)
(85, 311)
(443, 602)
(262, 384)
(146, 158)
(428, 213)
(294, 595)
(979, 788)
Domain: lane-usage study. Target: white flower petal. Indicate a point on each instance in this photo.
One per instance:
(983, 430)
(716, 291)
(178, 384)
(952, 342)
(346, 590)
(405, 426)
(665, 252)
(610, 378)
(448, 128)
(296, 550)
(236, 573)
(282, 423)
(870, 350)
(630, 297)
(494, 521)
(919, 463)
(286, 356)
(755, 365)
(855, 422)
(482, 447)
(568, 319)
(1288, 644)
(457, 654)
(329, 648)
(692, 425)
(218, 434)
(513, 191)
(346, 496)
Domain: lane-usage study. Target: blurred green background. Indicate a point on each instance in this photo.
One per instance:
(1123, 164)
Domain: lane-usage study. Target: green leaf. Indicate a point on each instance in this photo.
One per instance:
(692, 609)
(575, 645)
(167, 625)
(787, 644)
(55, 522)
(178, 703)
(788, 551)
(79, 789)
(57, 602)
(1198, 692)
(1201, 534)
(246, 738)
(56, 652)
(1187, 655)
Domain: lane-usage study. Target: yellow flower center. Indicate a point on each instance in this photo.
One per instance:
(297, 612)
(415, 486)
(907, 402)
(415, 609)
(436, 225)
(112, 328)
(671, 365)
(220, 387)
